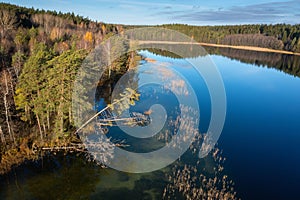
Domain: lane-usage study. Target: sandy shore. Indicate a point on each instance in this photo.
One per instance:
(249, 48)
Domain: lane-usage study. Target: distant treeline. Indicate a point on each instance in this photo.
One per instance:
(278, 36)
(24, 15)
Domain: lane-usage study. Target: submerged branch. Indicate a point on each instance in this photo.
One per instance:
(131, 94)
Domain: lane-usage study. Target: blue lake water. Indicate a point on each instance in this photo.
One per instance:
(261, 136)
(260, 141)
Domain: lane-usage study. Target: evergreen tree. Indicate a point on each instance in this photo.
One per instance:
(60, 78)
(28, 91)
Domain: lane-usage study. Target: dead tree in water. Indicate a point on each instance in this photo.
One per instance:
(119, 105)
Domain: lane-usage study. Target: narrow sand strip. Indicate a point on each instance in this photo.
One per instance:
(249, 48)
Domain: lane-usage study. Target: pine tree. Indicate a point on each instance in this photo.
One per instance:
(28, 91)
(60, 78)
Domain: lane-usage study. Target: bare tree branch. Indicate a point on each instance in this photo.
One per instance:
(8, 21)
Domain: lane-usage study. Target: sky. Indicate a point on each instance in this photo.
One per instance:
(196, 12)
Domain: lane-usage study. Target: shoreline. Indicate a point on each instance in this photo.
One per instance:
(248, 48)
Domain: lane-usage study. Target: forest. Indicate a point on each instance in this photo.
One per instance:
(278, 36)
(41, 52)
(273, 36)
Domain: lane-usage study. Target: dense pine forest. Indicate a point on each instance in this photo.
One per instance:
(41, 52)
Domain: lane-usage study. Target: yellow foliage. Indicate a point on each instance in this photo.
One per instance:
(88, 37)
(54, 33)
(18, 91)
(103, 28)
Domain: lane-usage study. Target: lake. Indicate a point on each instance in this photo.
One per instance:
(257, 155)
